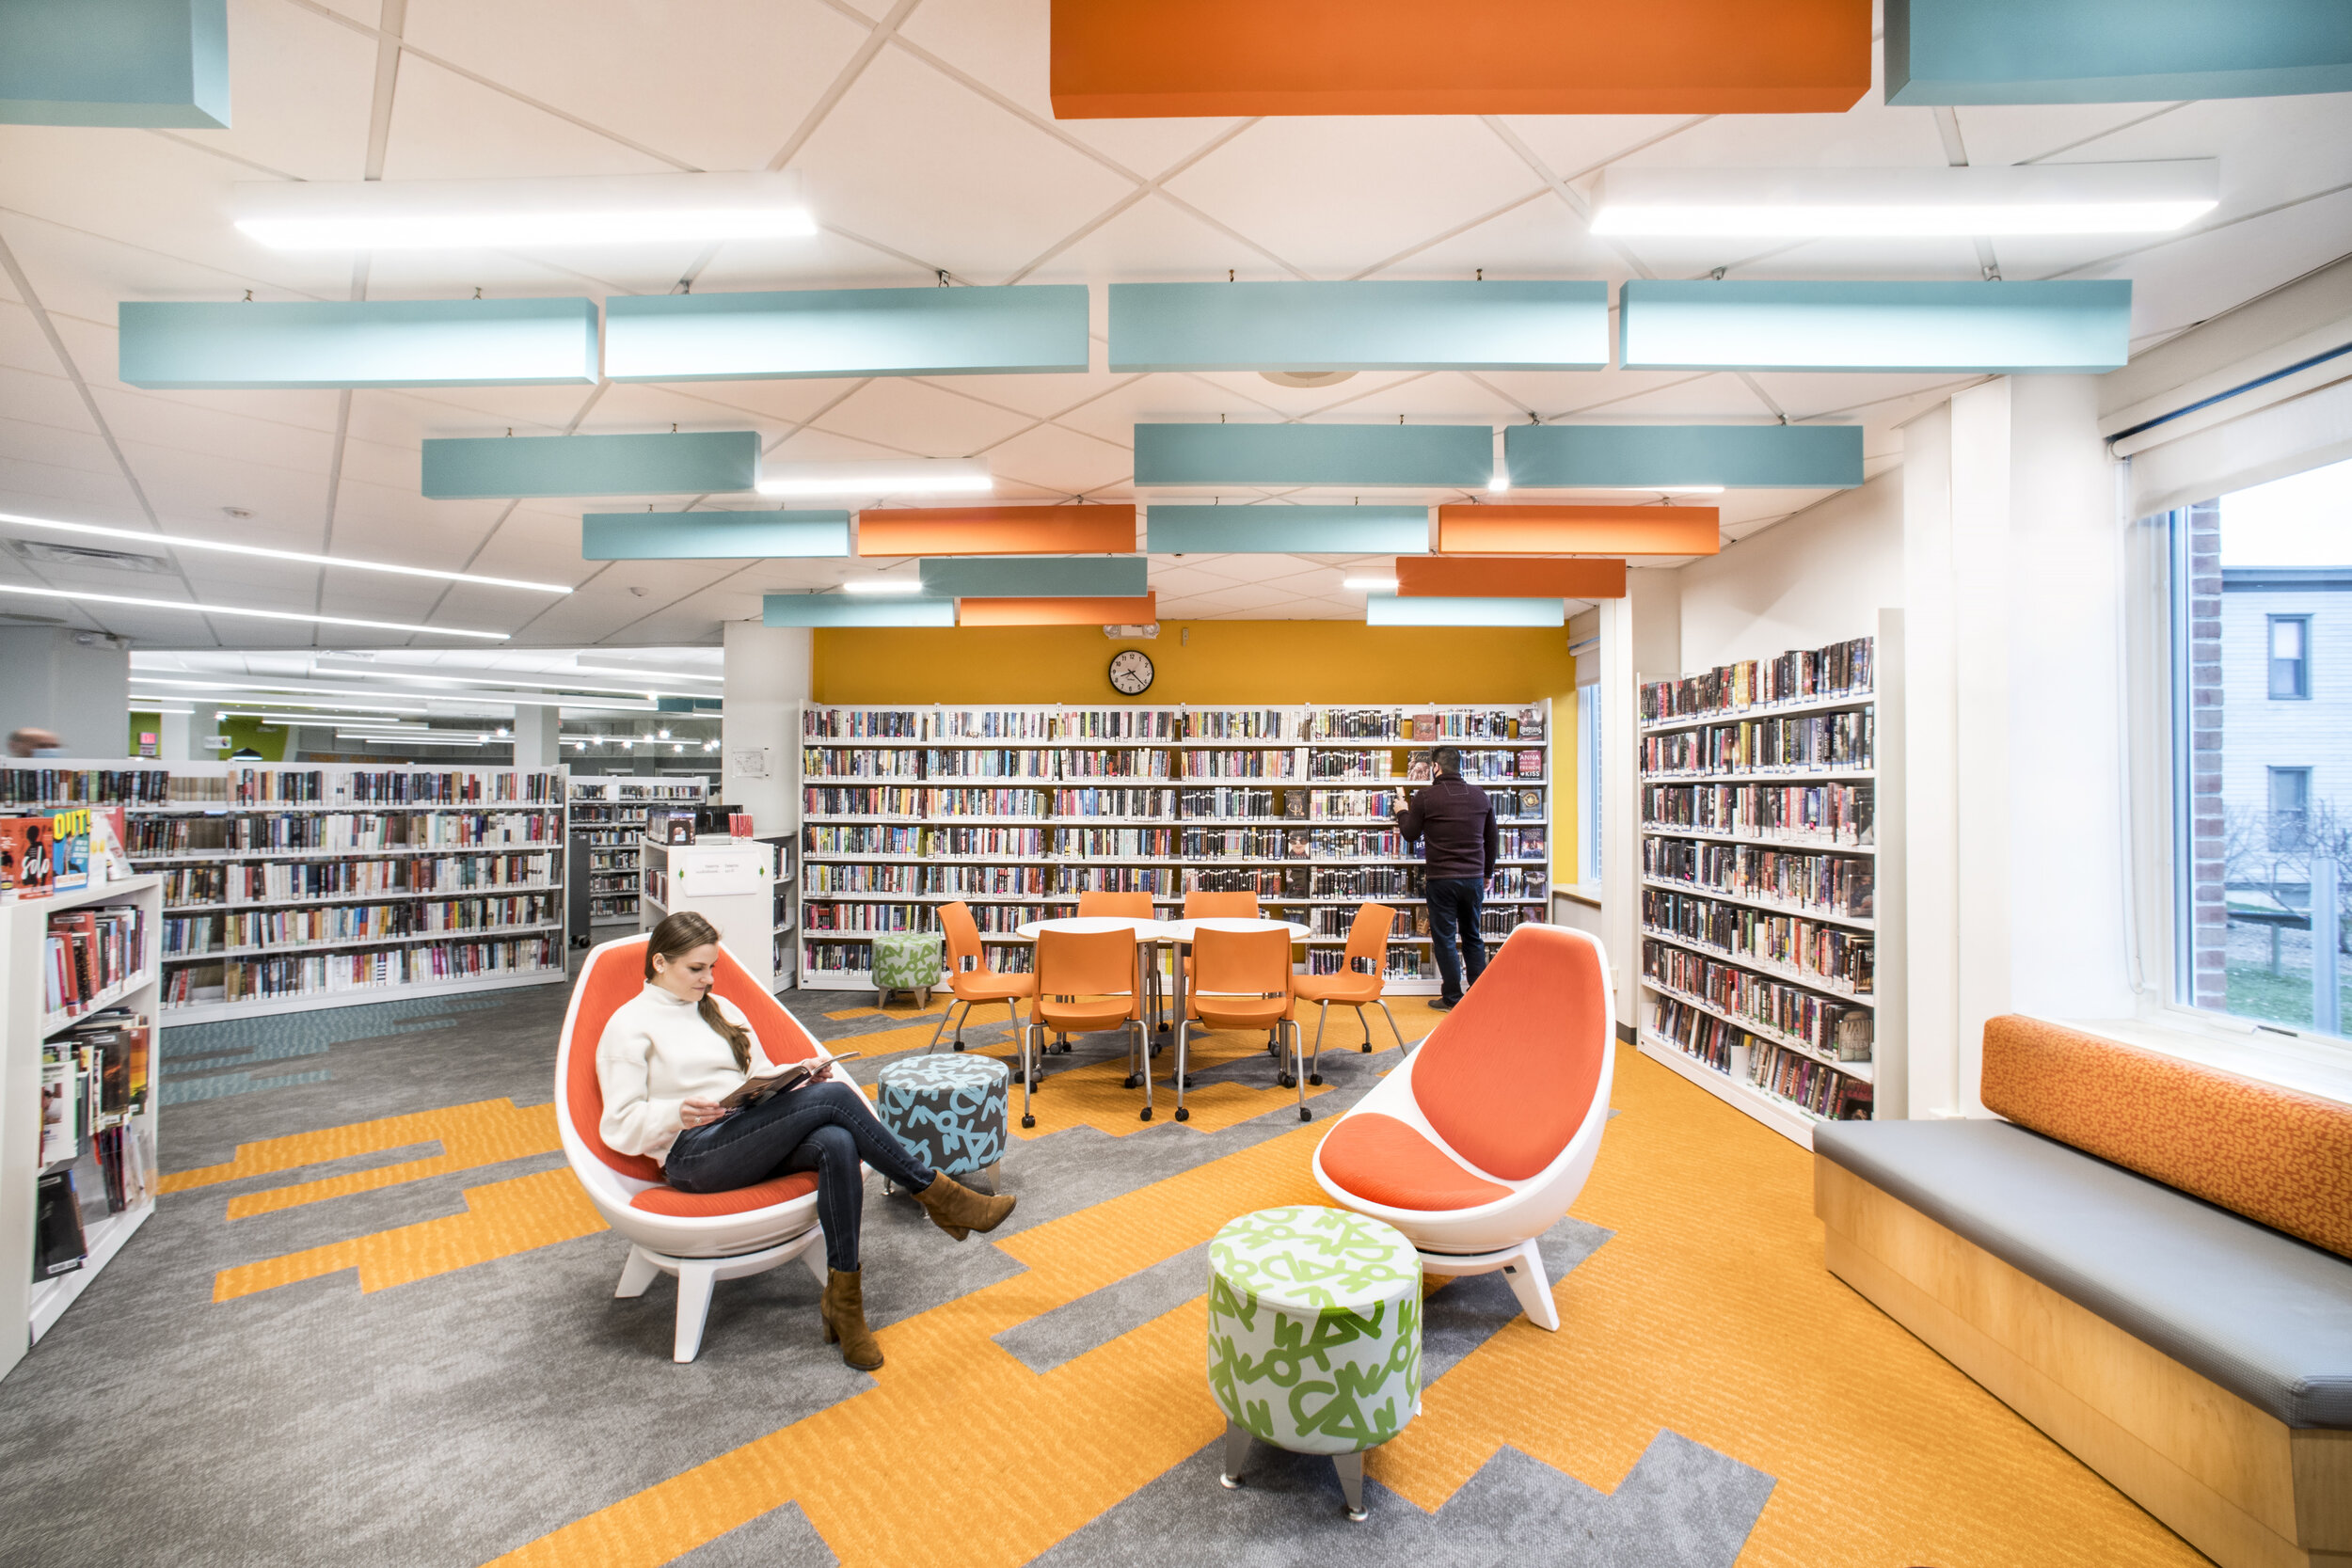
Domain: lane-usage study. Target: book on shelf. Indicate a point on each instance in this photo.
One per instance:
(1531, 764)
(1424, 726)
(1530, 723)
(1419, 769)
(59, 1246)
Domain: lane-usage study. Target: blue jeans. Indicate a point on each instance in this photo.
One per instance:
(1454, 904)
(822, 1128)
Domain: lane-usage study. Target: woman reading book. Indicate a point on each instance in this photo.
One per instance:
(671, 1061)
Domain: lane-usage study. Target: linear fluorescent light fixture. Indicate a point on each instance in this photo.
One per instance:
(624, 669)
(2035, 199)
(884, 585)
(1370, 585)
(176, 542)
(915, 476)
(592, 210)
(78, 597)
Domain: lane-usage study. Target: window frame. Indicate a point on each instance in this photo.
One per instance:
(2271, 660)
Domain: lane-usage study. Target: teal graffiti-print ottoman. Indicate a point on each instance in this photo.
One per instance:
(1314, 1335)
(950, 1110)
(907, 960)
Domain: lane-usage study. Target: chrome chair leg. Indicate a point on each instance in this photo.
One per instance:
(1143, 1056)
(1184, 1033)
(1028, 1120)
(1392, 1028)
(1323, 1015)
(1298, 1063)
(943, 1027)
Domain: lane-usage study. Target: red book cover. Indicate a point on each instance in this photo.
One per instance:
(25, 864)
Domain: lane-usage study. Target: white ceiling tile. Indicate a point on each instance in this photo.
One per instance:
(1152, 240)
(919, 420)
(300, 86)
(719, 84)
(1051, 461)
(1333, 195)
(450, 127)
(1540, 238)
(913, 160)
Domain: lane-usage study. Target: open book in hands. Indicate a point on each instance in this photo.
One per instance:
(789, 1076)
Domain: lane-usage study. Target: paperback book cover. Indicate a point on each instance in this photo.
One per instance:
(58, 1246)
(1531, 764)
(1531, 723)
(1424, 726)
(25, 864)
(1418, 769)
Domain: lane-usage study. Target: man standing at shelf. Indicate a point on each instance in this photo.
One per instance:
(1456, 823)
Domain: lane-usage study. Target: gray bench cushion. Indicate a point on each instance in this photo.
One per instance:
(2263, 1315)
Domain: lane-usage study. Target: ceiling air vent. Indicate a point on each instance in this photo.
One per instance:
(83, 555)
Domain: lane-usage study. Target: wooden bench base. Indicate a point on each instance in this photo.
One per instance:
(2235, 1481)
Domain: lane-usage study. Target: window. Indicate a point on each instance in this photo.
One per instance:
(2290, 808)
(2262, 582)
(2289, 656)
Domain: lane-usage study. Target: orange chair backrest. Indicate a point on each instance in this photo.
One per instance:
(1508, 1075)
(964, 936)
(1086, 964)
(1220, 906)
(614, 977)
(1123, 906)
(1244, 964)
(1368, 937)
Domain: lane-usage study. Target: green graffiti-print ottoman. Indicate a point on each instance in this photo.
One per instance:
(950, 1110)
(906, 961)
(1314, 1328)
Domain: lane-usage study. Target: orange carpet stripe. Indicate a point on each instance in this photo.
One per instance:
(475, 1134)
(501, 1220)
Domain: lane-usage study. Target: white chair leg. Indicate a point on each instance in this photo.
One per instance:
(694, 1280)
(812, 1260)
(1526, 1275)
(1143, 1061)
(636, 1275)
(1184, 1033)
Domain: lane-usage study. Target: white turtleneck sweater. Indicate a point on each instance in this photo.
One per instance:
(658, 1054)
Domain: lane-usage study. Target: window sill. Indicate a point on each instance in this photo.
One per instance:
(1587, 894)
(2307, 1066)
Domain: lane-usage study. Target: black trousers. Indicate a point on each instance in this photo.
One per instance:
(822, 1128)
(1454, 906)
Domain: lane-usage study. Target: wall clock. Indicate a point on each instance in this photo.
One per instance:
(1131, 672)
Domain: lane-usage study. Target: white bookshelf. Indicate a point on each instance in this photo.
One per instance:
(1008, 808)
(292, 886)
(608, 818)
(1763, 819)
(32, 1307)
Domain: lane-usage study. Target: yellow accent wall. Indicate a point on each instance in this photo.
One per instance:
(1222, 662)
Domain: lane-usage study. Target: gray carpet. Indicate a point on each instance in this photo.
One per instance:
(456, 1417)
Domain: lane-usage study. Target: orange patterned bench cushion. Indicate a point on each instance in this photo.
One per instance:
(2273, 1155)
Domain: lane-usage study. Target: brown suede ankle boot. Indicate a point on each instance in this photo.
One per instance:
(960, 1210)
(844, 1312)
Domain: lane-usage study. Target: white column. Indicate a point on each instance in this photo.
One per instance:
(74, 684)
(535, 730)
(1931, 770)
(769, 671)
(1641, 640)
(200, 727)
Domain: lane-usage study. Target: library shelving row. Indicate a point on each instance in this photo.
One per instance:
(1770, 827)
(288, 887)
(80, 1050)
(607, 819)
(1016, 809)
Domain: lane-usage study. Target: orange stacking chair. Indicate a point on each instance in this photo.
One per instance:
(980, 983)
(1243, 983)
(1085, 980)
(1368, 942)
(1124, 905)
(1127, 906)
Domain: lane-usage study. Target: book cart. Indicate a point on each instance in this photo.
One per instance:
(1769, 914)
(288, 887)
(1018, 810)
(607, 816)
(82, 1140)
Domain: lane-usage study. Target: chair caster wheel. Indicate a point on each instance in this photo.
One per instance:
(1133, 1083)
(1305, 1114)
(1316, 1078)
(958, 1045)
(1365, 1048)
(1184, 1112)
(1231, 1483)
(1285, 1080)
(1145, 1115)
(1028, 1121)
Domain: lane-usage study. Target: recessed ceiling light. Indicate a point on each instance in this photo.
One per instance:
(2035, 199)
(595, 210)
(176, 542)
(76, 596)
(919, 476)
